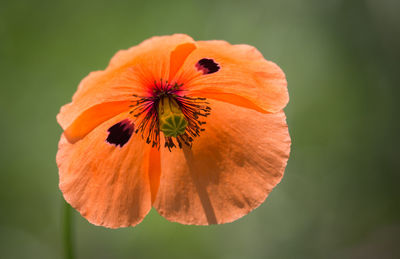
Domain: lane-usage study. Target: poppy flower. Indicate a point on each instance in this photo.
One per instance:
(195, 129)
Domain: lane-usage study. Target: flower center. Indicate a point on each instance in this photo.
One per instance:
(171, 119)
(166, 110)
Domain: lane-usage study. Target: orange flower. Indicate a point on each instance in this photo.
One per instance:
(194, 129)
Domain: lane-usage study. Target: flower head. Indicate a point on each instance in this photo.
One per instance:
(194, 129)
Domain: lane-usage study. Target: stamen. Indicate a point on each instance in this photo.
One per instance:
(166, 110)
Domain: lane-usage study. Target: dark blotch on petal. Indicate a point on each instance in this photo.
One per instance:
(207, 66)
(120, 133)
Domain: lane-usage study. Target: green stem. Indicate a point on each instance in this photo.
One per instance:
(68, 232)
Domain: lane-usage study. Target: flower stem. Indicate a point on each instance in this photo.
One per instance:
(68, 232)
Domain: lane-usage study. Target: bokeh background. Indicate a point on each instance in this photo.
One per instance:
(339, 197)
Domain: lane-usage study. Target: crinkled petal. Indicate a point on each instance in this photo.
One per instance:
(108, 184)
(230, 169)
(243, 76)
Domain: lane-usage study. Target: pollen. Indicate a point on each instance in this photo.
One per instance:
(171, 118)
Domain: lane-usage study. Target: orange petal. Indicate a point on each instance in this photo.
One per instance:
(130, 72)
(108, 184)
(178, 57)
(243, 72)
(230, 170)
(154, 172)
(98, 87)
(92, 117)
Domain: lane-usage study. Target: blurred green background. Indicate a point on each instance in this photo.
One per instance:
(339, 197)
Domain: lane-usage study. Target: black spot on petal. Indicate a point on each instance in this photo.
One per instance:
(207, 66)
(120, 133)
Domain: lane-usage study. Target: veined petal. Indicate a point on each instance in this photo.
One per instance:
(230, 170)
(219, 70)
(108, 184)
(131, 71)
